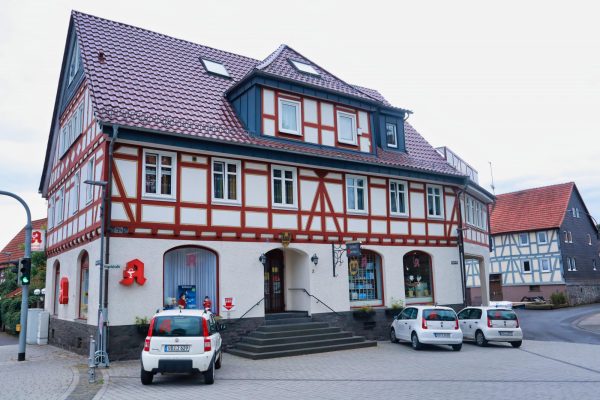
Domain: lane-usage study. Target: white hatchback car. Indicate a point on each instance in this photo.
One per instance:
(427, 325)
(486, 324)
(182, 341)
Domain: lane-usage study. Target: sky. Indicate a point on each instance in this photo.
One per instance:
(514, 83)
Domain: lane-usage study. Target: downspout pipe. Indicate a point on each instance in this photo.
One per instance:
(461, 246)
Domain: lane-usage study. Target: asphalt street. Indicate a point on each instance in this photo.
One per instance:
(558, 325)
(6, 339)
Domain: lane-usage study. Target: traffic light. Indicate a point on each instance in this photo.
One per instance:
(25, 271)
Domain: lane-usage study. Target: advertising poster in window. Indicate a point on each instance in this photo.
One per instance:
(186, 296)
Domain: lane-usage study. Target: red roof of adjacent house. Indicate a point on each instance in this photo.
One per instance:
(531, 209)
(147, 80)
(15, 246)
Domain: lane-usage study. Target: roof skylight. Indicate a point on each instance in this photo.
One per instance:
(303, 67)
(215, 67)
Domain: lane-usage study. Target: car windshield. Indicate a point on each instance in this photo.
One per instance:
(177, 325)
(503, 315)
(439, 315)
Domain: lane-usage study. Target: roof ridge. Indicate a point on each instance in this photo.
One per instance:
(75, 12)
(271, 57)
(537, 188)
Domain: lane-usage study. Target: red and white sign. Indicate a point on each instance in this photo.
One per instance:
(38, 240)
(229, 303)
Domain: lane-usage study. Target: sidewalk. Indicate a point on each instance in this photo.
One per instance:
(591, 323)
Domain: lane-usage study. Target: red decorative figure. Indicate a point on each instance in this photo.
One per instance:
(134, 271)
(207, 304)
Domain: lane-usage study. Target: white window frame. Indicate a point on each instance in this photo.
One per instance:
(539, 240)
(298, 105)
(51, 213)
(589, 237)
(440, 212)
(75, 192)
(215, 67)
(158, 195)
(404, 194)
(90, 167)
(352, 116)
(521, 243)
(365, 188)
(574, 264)
(530, 266)
(547, 260)
(283, 169)
(570, 237)
(388, 124)
(59, 205)
(238, 181)
(73, 62)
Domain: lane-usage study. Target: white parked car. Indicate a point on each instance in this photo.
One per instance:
(427, 325)
(487, 324)
(182, 341)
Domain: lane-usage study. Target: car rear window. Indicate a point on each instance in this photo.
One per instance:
(439, 315)
(177, 325)
(503, 315)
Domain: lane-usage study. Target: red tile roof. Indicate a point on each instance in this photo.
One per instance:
(15, 246)
(531, 209)
(152, 81)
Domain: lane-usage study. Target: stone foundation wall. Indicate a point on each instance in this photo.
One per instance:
(583, 294)
(70, 335)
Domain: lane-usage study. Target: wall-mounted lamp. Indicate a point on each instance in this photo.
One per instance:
(314, 259)
(262, 259)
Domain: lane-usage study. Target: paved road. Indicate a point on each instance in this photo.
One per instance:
(559, 325)
(6, 339)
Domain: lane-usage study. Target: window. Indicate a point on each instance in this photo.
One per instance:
(84, 285)
(589, 238)
(89, 189)
(570, 237)
(542, 238)
(594, 265)
(545, 265)
(574, 264)
(71, 130)
(418, 278)
(59, 205)
(346, 126)
(526, 266)
(523, 239)
(226, 180)
(365, 279)
(469, 210)
(534, 288)
(159, 174)
(569, 267)
(289, 117)
(303, 67)
(434, 201)
(75, 193)
(398, 198)
(74, 63)
(355, 193)
(566, 237)
(51, 213)
(215, 67)
(284, 184)
(391, 135)
(576, 212)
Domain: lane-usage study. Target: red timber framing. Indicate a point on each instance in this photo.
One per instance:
(367, 132)
(77, 228)
(319, 218)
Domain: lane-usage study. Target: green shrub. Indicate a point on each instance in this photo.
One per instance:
(558, 298)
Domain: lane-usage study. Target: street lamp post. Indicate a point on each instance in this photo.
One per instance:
(101, 356)
(24, 288)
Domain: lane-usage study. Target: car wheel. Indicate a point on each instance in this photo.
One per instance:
(219, 360)
(209, 374)
(146, 377)
(480, 339)
(414, 341)
(456, 347)
(393, 337)
(516, 345)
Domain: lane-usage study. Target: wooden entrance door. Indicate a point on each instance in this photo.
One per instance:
(274, 301)
(495, 287)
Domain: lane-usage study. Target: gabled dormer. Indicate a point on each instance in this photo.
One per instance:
(288, 97)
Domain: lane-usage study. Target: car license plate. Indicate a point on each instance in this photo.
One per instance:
(506, 333)
(177, 348)
(444, 335)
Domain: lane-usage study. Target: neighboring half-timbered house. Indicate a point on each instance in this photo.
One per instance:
(544, 241)
(239, 180)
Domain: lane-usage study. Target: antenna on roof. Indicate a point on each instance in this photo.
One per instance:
(492, 174)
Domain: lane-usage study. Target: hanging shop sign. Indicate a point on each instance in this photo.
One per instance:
(133, 271)
(286, 238)
(353, 249)
(353, 266)
(38, 240)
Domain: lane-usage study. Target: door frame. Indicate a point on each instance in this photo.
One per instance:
(273, 304)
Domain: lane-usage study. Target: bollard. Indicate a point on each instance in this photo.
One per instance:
(92, 361)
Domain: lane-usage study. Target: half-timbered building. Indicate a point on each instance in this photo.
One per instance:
(240, 180)
(544, 241)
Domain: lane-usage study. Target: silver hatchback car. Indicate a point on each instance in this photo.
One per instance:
(490, 324)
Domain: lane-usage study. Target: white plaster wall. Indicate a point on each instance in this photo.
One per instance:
(268, 102)
(308, 189)
(327, 114)
(334, 191)
(378, 202)
(254, 197)
(417, 207)
(193, 185)
(310, 111)
(127, 170)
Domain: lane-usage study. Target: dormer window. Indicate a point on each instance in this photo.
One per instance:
(391, 135)
(214, 67)
(303, 67)
(289, 117)
(74, 63)
(346, 126)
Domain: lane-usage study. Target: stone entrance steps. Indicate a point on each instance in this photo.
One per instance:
(292, 334)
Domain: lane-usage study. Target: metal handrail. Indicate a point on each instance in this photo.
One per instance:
(250, 309)
(318, 300)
